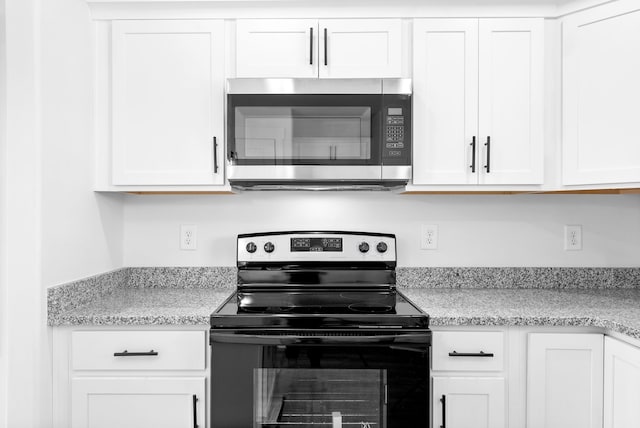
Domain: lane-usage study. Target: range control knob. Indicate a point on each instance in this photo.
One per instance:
(363, 247)
(381, 247)
(269, 247)
(251, 247)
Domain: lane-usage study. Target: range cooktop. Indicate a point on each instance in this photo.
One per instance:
(330, 309)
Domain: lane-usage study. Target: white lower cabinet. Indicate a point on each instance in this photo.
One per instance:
(132, 402)
(621, 384)
(469, 402)
(130, 378)
(564, 380)
(469, 379)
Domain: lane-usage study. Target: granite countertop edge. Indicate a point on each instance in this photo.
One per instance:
(435, 321)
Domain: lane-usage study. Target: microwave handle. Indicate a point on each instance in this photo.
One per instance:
(259, 339)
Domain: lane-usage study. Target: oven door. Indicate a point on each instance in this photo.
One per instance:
(336, 379)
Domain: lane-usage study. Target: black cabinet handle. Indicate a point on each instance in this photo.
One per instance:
(473, 154)
(444, 411)
(310, 45)
(215, 155)
(195, 411)
(325, 46)
(126, 353)
(488, 165)
(470, 354)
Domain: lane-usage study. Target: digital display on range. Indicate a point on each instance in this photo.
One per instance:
(316, 244)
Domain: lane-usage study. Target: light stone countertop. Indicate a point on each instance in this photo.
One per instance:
(147, 306)
(614, 309)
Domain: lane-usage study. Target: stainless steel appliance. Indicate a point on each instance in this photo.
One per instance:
(319, 133)
(318, 335)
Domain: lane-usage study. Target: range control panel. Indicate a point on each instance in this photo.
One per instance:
(396, 144)
(316, 246)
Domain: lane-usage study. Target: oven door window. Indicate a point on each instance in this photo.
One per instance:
(319, 397)
(304, 129)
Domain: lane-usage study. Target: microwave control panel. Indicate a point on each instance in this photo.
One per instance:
(396, 144)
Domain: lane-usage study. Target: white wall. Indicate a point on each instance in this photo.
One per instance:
(3, 240)
(475, 230)
(54, 228)
(26, 399)
(81, 230)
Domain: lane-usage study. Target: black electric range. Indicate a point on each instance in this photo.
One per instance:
(318, 335)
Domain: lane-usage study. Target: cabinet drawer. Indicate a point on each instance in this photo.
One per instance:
(138, 350)
(468, 351)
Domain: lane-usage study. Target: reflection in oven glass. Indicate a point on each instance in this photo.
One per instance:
(310, 398)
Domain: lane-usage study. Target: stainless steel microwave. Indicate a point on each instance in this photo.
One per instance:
(318, 134)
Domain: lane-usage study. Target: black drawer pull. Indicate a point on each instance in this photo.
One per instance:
(443, 400)
(126, 353)
(195, 411)
(470, 354)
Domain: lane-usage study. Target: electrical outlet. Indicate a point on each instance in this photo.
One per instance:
(429, 237)
(572, 237)
(188, 237)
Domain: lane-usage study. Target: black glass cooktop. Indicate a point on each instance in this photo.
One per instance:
(318, 309)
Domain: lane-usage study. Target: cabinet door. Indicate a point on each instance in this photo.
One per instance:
(137, 402)
(469, 402)
(445, 101)
(277, 48)
(564, 381)
(601, 90)
(511, 100)
(167, 86)
(621, 384)
(360, 48)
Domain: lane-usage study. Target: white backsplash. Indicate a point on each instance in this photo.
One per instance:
(474, 230)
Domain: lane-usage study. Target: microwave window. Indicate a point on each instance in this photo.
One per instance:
(303, 132)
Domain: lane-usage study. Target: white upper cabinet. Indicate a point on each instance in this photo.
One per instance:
(360, 47)
(331, 48)
(277, 48)
(511, 100)
(168, 102)
(445, 101)
(601, 89)
(478, 101)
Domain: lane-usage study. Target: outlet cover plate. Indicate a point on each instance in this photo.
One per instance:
(188, 237)
(429, 237)
(573, 237)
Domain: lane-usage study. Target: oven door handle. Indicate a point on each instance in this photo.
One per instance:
(259, 339)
